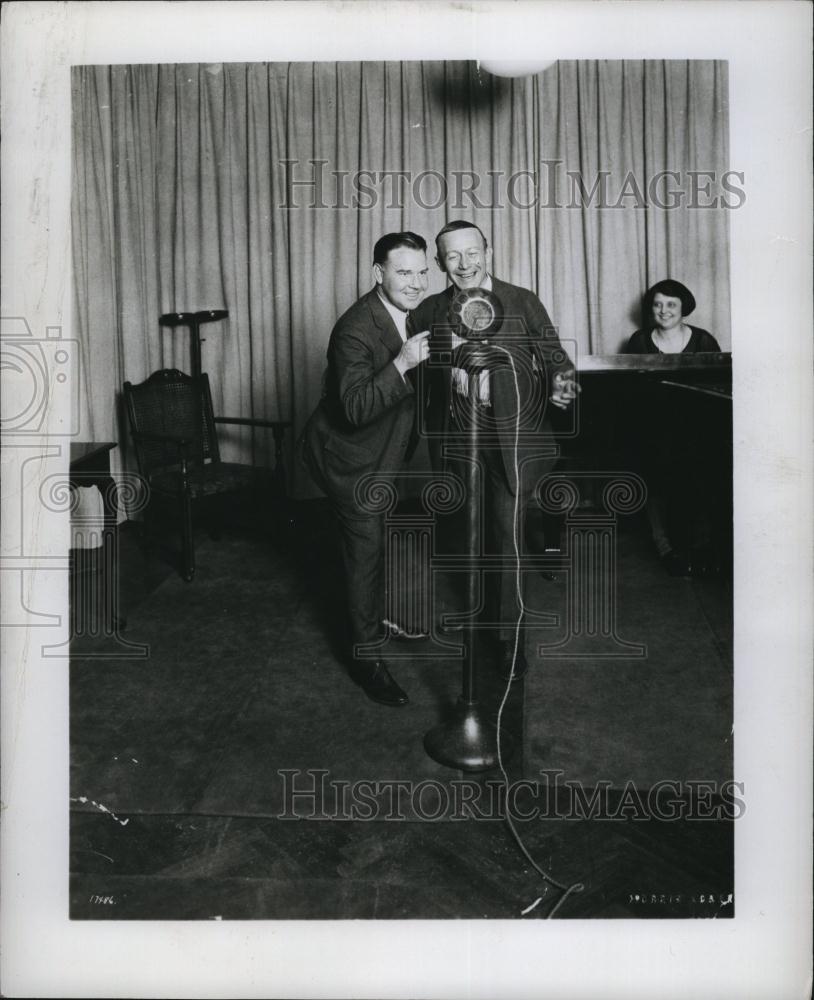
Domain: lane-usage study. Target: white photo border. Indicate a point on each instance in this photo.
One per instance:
(764, 950)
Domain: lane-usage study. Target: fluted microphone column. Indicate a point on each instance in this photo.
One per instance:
(467, 741)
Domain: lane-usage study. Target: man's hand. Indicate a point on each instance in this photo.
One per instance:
(565, 389)
(413, 352)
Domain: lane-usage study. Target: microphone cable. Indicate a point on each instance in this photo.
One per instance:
(566, 890)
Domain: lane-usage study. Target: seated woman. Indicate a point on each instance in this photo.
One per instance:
(664, 307)
(675, 505)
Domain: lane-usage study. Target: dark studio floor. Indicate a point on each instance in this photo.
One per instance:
(182, 760)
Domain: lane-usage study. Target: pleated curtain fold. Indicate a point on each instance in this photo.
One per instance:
(261, 188)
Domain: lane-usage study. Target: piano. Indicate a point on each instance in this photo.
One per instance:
(681, 402)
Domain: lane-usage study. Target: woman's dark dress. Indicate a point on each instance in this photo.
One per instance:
(700, 341)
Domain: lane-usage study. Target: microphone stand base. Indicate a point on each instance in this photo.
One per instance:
(466, 742)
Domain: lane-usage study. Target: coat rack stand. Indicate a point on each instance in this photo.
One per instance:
(193, 320)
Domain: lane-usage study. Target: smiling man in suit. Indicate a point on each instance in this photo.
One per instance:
(365, 423)
(545, 376)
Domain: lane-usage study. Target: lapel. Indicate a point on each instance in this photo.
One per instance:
(385, 327)
(504, 293)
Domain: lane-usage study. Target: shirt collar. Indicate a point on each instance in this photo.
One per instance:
(398, 317)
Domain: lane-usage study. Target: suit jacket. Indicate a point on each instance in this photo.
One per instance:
(365, 419)
(529, 336)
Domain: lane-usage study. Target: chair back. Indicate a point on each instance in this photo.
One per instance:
(170, 403)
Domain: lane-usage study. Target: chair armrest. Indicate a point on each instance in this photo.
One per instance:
(181, 443)
(252, 422)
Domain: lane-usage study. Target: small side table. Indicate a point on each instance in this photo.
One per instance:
(90, 466)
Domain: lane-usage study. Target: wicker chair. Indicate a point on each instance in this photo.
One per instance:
(174, 432)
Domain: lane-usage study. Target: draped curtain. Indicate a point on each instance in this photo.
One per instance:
(261, 188)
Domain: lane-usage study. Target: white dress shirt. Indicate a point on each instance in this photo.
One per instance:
(398, 317)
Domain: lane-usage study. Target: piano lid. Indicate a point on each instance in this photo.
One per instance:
(600, 363)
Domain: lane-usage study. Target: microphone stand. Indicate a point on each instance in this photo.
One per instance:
(467, 741)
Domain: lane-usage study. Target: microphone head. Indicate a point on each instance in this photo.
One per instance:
(477, 312)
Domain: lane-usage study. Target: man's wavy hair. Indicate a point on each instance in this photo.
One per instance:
(393, 241)
(453, 227)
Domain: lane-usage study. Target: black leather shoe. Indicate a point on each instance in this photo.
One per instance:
(674, 564)
(505, 657)
(374, 679)
(450, 628)
(396, 631)
(445, 619)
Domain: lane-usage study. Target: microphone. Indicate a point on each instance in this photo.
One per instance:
(476, 312)
(473, 315)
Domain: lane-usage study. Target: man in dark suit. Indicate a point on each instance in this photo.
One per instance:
(533, 368)
(365, 423)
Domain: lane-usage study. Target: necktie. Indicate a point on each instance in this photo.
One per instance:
(409, 328)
